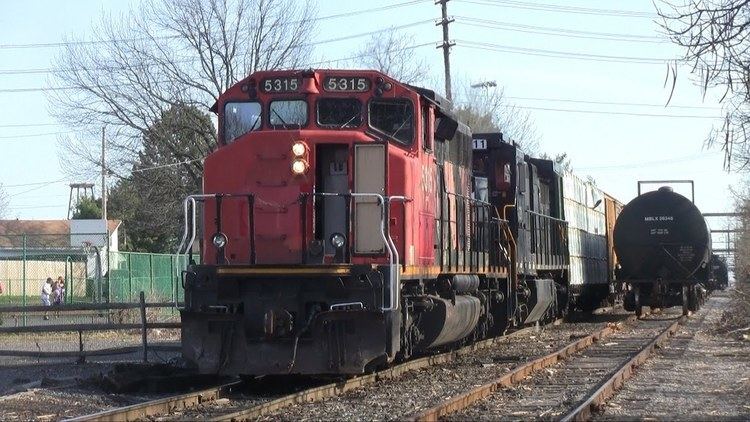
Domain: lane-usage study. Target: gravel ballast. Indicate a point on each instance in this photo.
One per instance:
(419, 390)
(698, 375)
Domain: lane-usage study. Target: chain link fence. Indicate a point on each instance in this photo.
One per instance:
(91, 275)
(95, 312)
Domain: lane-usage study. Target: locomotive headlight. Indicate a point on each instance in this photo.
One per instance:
(299, 167)
(299, 148)
(219, 240)
(338, 240)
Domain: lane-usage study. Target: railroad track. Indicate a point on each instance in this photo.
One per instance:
(568, 384)
(213, 403)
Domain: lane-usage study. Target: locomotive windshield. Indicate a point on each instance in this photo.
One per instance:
(340, 112)
(240, 118)
(394, 118)
(288, 113)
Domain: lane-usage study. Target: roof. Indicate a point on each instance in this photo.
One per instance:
(46, 233)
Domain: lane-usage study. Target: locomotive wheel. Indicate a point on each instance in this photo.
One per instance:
(686, 298)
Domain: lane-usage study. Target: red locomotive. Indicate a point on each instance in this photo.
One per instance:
(350, 220)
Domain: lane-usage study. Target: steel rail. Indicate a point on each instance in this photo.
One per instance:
(586, 407)
(515, 376)
(183, 401)
(337, 388)
(608, 388)
(142, 411)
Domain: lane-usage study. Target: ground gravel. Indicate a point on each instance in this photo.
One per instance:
(421, 389)
(699, 375)
(551, 393)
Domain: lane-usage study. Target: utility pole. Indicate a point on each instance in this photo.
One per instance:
(446, 45)
(104, 178)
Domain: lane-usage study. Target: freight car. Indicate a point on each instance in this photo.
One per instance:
(664, 248)
(587, 280)
(719, 278)
(350, 220)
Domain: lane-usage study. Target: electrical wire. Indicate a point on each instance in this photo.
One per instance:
(548, 7)
(555, 32)
(44, 185)
(30, 184)
(114, 68)
(560, 54)
(558, 29)
(653, 163)
(29, 124)
(315, 19)
(619, 113)
(613, 103)
(33, 135)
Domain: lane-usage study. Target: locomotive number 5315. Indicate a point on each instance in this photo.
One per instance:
(350, 84)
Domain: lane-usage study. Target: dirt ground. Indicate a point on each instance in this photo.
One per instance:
(703, 373)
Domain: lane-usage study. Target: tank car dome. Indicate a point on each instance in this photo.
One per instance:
(661, 234)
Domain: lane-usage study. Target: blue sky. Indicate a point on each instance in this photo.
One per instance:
(547, 76)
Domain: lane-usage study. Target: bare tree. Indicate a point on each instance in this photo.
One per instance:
(715, 36)
(168, 54)
(4, 201)
(390, 52)
(485, 109)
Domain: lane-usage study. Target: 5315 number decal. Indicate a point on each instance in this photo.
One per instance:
(280, 85)
(348, 84)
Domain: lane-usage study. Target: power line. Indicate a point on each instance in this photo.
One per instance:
(652, 163)
(547, 7)
(621, 113)
(167, 165)
(29, 207)
(316, 19)
(29, 124)
(34, 135)
(566, 100)
(560, 54)
(113, 68)
(563, 100)
(559, 32)
(31, 184)
(44, 185)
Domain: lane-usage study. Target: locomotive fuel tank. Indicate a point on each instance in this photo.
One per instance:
(662, 235)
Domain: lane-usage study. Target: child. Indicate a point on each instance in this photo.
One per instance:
(61, 282)
(46, 292)
(57, 296)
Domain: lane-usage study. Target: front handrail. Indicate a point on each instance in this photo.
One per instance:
(384, 202)
(189, 207)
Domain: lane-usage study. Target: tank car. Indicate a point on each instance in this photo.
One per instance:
(664, 246)
(719, 277)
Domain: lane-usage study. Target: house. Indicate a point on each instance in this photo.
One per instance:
(32, 250)
(64, 235)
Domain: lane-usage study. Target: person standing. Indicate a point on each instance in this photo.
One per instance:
(46, 293)
(57, 296)
(61, 282)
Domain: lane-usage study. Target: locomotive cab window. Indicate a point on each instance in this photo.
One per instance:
(240, 118)
(426, 132)
(340, 112)
(395, 118)
(288, 113)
